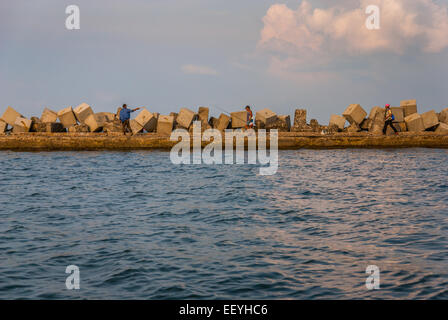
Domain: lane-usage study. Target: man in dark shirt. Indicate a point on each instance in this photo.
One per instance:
(125, 116)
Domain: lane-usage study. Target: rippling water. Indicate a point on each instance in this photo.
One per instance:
(139, 227)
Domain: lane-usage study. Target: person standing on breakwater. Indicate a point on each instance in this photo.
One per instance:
(250, 118)
(125, 116)
(389, 117)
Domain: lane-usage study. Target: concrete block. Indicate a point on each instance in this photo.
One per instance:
(213, 122)
(414, 123)
(282, 124)
(354, 114)
(299, 118)
(409, 107)
(78, 128)
(54, 127)
(443, 116)
(203, 113)
(165, 125)
(337, 120)
(377, 123)
(239, 119)
(353, 128)
(314, 124)
(266, 116)
(223, 122)
(259, 125)
(3, 126)
(135, 126)
(95, 122)
(398, 114)
(82, 112)
(117, 114)
(147, 120)
(10, 116)
(185, 118)
(48, 116)
(113, 127)
(365, 125)
(67, 117)
(401, 126)
(374, 111)
(108, 116)
(430, 119)
(22, 125)
(442, 128)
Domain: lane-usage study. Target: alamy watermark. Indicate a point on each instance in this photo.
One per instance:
(73, 280)
(73, 21)
(373, 20)
(212, 153)
(373, 280)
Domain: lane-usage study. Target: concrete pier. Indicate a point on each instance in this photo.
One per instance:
(42, 141)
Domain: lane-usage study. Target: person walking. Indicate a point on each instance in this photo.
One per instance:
(388, 118)
(125, 116)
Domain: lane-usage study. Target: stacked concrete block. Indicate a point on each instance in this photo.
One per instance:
(374, 111)
(315, 126)
(165, 125)
(337, 120)
(414, 122)
(354, 114)
(78, 128)
(95, 122)
(266, 117)
(22, 125)
(203, 113)
(443, 116)
(54, 127)
(282, 124)
(401, 126)
(147, 120)
(135, 126)
(117, 114)
(377, 120)
(108, 116)
(442, 128)
(3, 126)
(113, 127)
(10, 116)
(353, 127)
(37, 125)
(239, 119)
(409, 107)
(67, 117)
(299, 118)
(365, 125)
(49, 116)
(223, 122)
(213, 122)
(185, 118)
(82, 112)
(398, 114)
(430, 119)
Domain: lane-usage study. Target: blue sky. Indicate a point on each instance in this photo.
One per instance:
(169, 54)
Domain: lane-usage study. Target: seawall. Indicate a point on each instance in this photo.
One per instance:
(286, 141)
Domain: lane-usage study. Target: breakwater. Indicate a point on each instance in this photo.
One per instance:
(35, 141)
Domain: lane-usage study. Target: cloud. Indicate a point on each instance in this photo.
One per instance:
(196, 69)
(307, 33)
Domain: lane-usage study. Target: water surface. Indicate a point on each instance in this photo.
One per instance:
(139, 227)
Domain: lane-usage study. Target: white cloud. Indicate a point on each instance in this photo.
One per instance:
(308, 33)
(196, 69)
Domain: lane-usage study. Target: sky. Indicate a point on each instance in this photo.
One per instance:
(169, 54)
